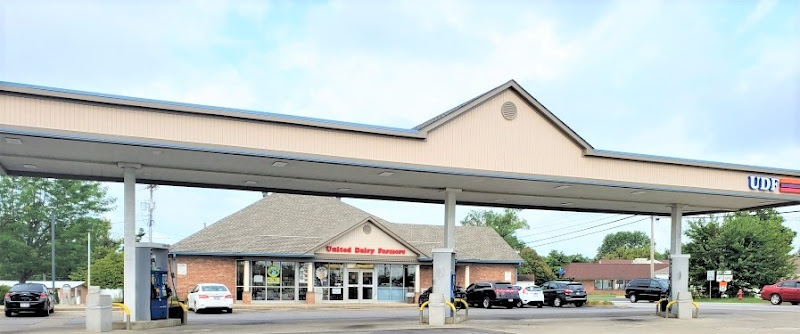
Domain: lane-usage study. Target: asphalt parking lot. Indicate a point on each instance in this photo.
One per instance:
(623, 317)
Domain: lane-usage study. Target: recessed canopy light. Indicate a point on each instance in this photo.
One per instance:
(386, 174)
(279, 164)
(15, 141)
(344, 189)
(638, 192)
(250, 182)
(564, 186)
(157, 152)
(30, 166)
(566, 203)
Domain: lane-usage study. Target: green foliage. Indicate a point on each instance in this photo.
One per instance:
(107, 273)
(535, 264)
(3, 290)
(25, 211)
(755, 245)
(627, 245)
(557, 259)
(506, 224)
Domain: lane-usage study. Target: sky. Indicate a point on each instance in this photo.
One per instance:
(708, 80)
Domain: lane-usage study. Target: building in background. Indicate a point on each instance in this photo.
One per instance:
(611, 276)
(294, 248)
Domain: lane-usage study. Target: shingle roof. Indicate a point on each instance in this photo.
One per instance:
(293, 225)
(590, 271)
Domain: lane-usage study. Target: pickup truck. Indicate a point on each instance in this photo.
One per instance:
(488, 294)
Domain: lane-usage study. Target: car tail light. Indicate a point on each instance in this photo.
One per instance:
(524, 291)
(8, 295)
(202, 296)
(228, 296)
(567, 291)
(42, 295)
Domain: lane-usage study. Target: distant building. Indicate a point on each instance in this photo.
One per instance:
(611, 276)
(68, 292)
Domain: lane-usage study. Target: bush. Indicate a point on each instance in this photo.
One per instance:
(3, 290)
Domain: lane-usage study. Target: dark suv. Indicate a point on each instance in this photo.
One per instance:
(488, 294)
(558, 293)
(651, 289)
(29, 297)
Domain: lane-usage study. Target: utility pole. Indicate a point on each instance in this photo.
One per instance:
(151, 207)
(652, 251)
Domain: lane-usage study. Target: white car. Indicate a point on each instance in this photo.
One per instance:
(531, 295)
(207, 296)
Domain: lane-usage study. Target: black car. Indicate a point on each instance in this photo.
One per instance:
(29, 297)
(651, 289)
(558, 293)
(460, 293)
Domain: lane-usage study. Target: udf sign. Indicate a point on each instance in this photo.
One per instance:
(763, 183)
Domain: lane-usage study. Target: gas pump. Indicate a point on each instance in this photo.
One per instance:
(159, 296)
(152, 302)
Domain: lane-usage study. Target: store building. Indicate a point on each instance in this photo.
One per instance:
(294, 248)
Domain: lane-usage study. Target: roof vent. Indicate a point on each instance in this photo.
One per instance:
(509, 111)
(367, 229)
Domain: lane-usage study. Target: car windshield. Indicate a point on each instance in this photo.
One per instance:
(214, 288)
(664, 283)
(27, 287)
(576, 287)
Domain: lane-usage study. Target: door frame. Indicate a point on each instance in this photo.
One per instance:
(360, 286)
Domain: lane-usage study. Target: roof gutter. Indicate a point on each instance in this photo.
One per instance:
(285, 255)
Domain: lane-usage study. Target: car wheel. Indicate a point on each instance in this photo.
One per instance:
(633, 298)
(578, 304)
(8, 313)
(487, 303)
(557, 302)
(230, 310)
(539, 304)
(520, 304)
(775, 299)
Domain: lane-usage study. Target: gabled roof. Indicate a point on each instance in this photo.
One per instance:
(510, 85)
(592, 271)
(377, 224)
(296, 225)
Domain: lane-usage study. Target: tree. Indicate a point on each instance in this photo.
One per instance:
(506, 224)
(557, 259)
(25, 210)
(107, 273)
(754, 245)
(535, 264)
(624, 245)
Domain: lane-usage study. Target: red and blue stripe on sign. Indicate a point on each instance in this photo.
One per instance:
(791, 186)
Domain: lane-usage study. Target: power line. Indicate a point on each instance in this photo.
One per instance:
(581, 230)
(565, 227)
(590, 233)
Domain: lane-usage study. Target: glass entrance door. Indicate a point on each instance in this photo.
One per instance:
(360, 285)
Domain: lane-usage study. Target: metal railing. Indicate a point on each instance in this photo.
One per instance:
(127, 312)
(449, 304)
(669, 306)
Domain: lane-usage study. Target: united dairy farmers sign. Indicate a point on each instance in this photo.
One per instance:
(771, 184)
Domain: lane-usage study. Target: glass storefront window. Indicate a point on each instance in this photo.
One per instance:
(239, 279)
(258, 271)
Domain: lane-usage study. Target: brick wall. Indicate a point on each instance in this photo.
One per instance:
(477, 272)
(206, 269)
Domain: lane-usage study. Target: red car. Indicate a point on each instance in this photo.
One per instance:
(783, 291)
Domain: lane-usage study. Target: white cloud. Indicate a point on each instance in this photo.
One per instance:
(763, 7)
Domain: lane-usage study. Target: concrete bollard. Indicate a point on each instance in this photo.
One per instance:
(98, 311)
